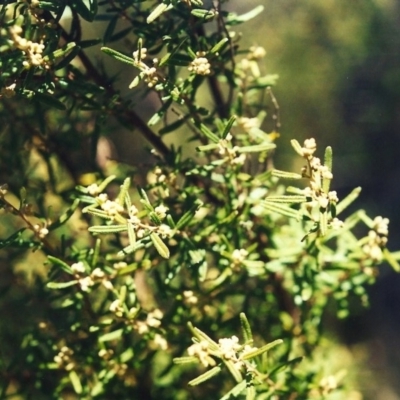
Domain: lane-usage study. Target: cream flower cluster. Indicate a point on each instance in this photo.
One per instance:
(148, 74)
(32, 50)
(228, 348)
(86, 281)
(64, 359)
(230, 152)
(377, 239)
(200, 65)
(316, 173)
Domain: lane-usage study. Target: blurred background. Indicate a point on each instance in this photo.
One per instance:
(339, 68)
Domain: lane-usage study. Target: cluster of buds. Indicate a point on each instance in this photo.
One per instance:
(64, 359)
(377, 239)
(316, 173)
(112, 208)
(153, 320)
(148, 74)
(228, 348)
(238, 256)
(200, 65)
(141, 228)
(256, 53)
(41, 231)
(230, 152)
(87, 281)
(189, 298)
(32, 50)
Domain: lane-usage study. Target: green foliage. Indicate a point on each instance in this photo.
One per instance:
(126, 265)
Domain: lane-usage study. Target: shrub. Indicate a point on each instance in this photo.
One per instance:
(147, 281)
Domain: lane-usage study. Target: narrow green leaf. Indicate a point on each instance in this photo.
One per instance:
(285, 174)
(246, 329)
(118, 56)
(251, 391)
(66, 216)
(61, 285)
(281, 209)
(297, 147)
(124, 188)
(261, 350)
(257, 148)
(67, 60)
(185, 360)
(326, 183)
(342, 205)
(160, 246)
(207, 147)
(110, 28)
(160, 9)
(160, 113)
(200, 335)
(108, 228)
(233, 369)
(388, 256)
(236, 391)
(323, 222)
(203, 14)
(131, 235)
(219, 46)
(83, 44)
(212, 136)
(285, 365)
(49, 100)
(63, 265)
(291, 199)
(207, 375)
(87, 13)
(114, 335)
(228, 127)
(250, 15)
(173, 126)
(188, 216)
(75, 381)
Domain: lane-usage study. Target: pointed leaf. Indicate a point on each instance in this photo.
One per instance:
(108, 228)
(342, 205)
(261, 350)
(207, 375)
(282, 209)
(61, 285)
(285, 174)
(257, 148)
(160, 246)
(328, 163)
(246, 329)
(63, 265)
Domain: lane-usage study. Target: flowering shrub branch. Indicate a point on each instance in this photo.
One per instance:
(119, 260)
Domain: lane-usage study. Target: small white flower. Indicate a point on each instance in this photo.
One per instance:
(189, 297)
(85, 283)
(78, 268)
(229, 347)
(200, 350)
(93, 189)
(116, 306)
(200, 65)
(309, 147)
(256, 53)
(239, 255)
(165, 231)
(160, 342)
(381, 225)
(161, 211)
